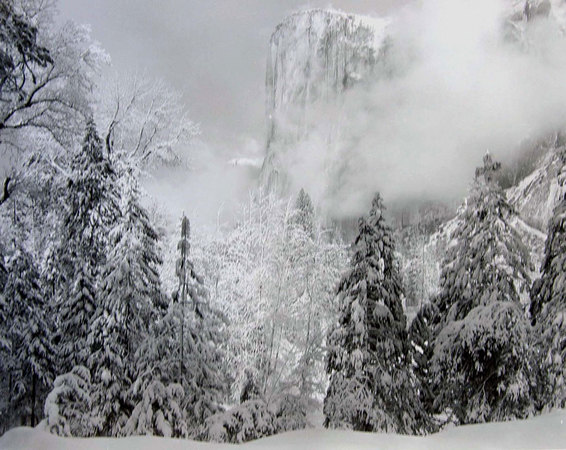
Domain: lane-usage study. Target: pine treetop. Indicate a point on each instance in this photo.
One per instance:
(486, 259)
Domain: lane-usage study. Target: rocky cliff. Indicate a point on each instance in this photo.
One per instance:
(314, 56)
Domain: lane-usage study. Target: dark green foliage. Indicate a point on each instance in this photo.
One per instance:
(29, 364)
(372, 387)
(303, 214)
(548, 308)
(91, 207)
(421, 338)
(481, 362)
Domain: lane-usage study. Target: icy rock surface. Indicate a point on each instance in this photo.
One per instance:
(536, 195)
(319, 53)
(313, 57)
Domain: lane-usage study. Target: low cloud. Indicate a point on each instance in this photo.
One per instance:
(461, 87)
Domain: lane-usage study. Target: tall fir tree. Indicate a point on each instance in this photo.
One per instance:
(421, 338)
(481, 356)
(31, 361)
(372, 387)
(91, 209)
(157, 394)
(200, 364)
(303, 214)
(548, 307)
(129, 300)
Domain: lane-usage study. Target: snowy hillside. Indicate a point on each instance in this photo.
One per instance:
(547, 431)
(535, 196)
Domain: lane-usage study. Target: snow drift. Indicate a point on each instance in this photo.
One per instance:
(547, 431)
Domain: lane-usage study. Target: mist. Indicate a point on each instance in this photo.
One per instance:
(214, 54)
(459, 88)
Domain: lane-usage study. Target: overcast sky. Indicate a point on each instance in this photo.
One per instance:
(464, 89)
(214, 52)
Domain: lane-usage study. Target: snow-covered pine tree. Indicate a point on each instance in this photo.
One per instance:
(159, 411)
(372, 387)
(303, 214)
(548, 307)
(68, 405)
(246, 422)
(129, 300)
(158, 396)
(421, 338)
(31, 364)
(481, 349)
(91, 208)
(485, 255)
(201, 374)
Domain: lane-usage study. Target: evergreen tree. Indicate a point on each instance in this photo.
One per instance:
(201, 374)
(129, 300)
(91, 209)
(548, 307)
(30, 361)
(303, 213)
(485, 257)
(68, 405)
(481, 355)
(157, 395)
(421, 338)
(159, 412)
(371, 386)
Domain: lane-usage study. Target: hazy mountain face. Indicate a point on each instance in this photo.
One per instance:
(408, 105)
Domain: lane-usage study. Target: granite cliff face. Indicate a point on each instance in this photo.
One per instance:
(314, 56)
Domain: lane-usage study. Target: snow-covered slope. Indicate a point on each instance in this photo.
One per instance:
(314, 56)
(535, 196)
(548, 431)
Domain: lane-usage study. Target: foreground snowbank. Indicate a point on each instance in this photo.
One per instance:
(548, 431)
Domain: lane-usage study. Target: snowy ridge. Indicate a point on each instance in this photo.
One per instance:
(547, 431)
(536, 195)
(522, 12)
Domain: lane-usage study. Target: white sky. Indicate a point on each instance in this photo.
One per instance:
(214, 51)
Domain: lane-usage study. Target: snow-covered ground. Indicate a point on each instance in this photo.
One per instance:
(548, 432)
